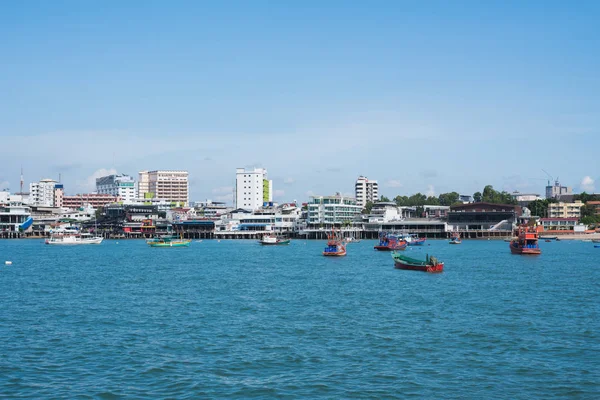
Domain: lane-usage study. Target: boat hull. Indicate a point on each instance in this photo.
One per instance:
(389, 248)
(334, 254)
(170, 244)
(524, 251)
(280, 243)
(423, 268)
(74, 243)
(455, 242)
(417, 242)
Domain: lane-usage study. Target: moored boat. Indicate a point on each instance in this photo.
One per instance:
(388, 242)
(431, 264)
(595, 240)
(526, 242)
(273, 240)
(415, 241)
(548, 237)
(336, 247)
(73, 239)
(168, 242)
(455, 239)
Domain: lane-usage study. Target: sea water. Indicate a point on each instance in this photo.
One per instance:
(233, 319)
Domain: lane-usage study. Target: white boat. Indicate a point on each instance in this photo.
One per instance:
(74, 239)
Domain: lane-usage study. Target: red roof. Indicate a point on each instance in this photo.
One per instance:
(559, 219)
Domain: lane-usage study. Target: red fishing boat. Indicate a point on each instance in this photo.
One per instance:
(389, 242)
(431, 264)
(526, 242)
(336, 246)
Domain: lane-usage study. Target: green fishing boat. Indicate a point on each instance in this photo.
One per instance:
(168, 242)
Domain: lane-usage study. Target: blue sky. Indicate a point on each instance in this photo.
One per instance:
(422, 96)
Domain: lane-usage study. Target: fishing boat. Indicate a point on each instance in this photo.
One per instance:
(455, 239)
(388, 242)
(73, 239)
(526, 242)
(414, 241)
(595, 240)
(431, 264)
(548, 237)
(597, 246)
(272, 240)
(167, 241)
(336, 246)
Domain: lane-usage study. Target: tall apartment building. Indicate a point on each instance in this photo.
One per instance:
(42, 193)
(555, 191)
(122, 186)
(366, 190)
(565, 210)
(172, 186)
(252, 188)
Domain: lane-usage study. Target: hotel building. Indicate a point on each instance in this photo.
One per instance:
(366, 190)
(331, 211)
(172, 186)
(122, 186)
(252, 188)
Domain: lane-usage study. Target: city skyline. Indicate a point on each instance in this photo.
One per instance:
(424, 98)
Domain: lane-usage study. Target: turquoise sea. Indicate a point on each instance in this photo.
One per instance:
(232, 319)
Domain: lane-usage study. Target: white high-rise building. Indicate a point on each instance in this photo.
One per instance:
(122, 186)
(42, 193)
(172, 186)
(366, 190)
(252, 188)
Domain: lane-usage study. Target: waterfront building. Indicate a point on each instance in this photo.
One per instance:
(559, 224)
(172, 186)
(123, 186)
(59, 194)
(14, 216)
(383, 212)
(556, 191)
(436, 211)
(43, 192)
(331, 211)
(565, 210)
(93, 199)
(252, 188)
(366, 190)
(483, 216)
(212, 209)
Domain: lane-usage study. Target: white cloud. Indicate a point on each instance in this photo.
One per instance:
(224, 190)
(393, 183)
(587, 184)
(430, 191)
(289, 181)
(89, 184)
(278, 193)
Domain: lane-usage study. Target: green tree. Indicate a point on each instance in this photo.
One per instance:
(539, 208)
(99, 212)
(432, 201)
(417, 199)
(383, 198)
(448, 199)
(368, 208)
(401, 201)
(420, 210)
(477, 197)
